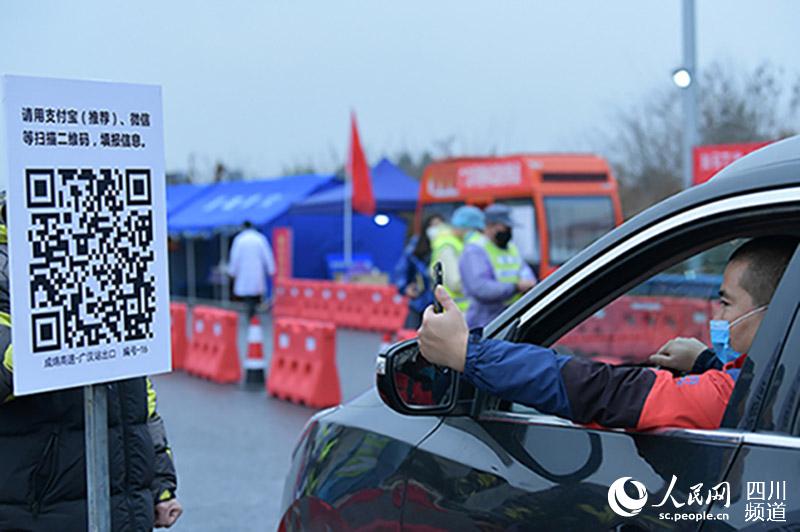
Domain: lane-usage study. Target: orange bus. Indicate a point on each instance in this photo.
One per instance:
(560, 203)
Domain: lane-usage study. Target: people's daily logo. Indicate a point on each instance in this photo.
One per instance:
(623, 504)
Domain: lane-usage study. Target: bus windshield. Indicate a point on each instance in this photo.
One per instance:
(574, 222)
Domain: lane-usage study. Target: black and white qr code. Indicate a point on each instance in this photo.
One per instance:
(92, 257)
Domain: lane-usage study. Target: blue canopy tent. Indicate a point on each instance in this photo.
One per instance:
(178, 196)
(218, 213)
(317, 223)
(394, 191)
(225, 207)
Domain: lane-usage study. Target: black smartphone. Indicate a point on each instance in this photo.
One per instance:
(438, 278)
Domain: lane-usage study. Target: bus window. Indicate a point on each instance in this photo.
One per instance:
(445, 210)
(575, 222)
(524, 235)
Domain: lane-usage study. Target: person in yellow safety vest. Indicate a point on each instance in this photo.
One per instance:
(493, 274)
(448, 244)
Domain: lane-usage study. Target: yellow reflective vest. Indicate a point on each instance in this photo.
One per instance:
(506, 263)
(444, 239)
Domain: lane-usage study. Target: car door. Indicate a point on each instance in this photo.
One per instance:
(509, 468)
(764, 476)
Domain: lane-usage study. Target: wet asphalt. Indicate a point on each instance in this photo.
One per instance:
(232, 443)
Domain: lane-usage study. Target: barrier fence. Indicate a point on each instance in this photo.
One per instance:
(366, 307)
(306, 314)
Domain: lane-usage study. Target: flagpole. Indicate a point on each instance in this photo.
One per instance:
(348, 219)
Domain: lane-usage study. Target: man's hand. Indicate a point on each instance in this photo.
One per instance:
(679, 353)
(167, 513)
(525, 284)
(443, 337)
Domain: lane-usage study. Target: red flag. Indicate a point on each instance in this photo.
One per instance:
(358, 169)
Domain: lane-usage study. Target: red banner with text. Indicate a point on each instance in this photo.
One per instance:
(282, 244)
(708, 160)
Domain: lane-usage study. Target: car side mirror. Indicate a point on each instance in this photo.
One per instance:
(411, 385)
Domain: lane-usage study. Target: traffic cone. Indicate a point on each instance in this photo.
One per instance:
(254, 363)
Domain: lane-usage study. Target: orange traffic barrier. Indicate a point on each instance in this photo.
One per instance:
(369, 307)
(213, 352)
(179, 340)
(303, 367)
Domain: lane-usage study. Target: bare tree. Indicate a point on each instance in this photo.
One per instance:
(644, 144)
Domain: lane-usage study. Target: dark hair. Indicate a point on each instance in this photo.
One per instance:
(423, 248)
(766, 259)
(247, 224)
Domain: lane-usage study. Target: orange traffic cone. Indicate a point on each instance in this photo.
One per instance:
(254, 363)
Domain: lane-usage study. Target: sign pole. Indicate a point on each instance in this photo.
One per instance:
(95, 408)
(223, 253)
(348, 220)
(191, 291)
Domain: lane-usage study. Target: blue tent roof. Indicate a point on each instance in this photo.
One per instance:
(178, 196)
(394, 190)
(227, 205)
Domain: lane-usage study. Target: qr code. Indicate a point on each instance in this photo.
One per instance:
(91, 270)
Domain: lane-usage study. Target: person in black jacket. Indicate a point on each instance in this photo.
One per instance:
(43, 469)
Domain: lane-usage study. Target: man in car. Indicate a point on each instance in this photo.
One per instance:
(587, 391)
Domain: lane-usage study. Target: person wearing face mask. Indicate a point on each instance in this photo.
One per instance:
(411, 275)
(744, 296)
(630, 397)
(493, 274)
(448, 245)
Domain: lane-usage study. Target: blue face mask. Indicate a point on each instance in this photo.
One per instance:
(721, 336)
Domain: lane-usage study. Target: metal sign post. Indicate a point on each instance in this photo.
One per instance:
(223, 260)
(95, 408)
(191, 291)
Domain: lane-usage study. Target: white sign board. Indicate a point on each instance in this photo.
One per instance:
(87, 234)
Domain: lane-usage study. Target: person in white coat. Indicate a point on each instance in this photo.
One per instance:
(251, 262)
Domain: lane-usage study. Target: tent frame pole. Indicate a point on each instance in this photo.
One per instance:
(223, 255)
(191, 278)
(348, 220)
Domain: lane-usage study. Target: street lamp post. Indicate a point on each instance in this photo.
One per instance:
(686, 79)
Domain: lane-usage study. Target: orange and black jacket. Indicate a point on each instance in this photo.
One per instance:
(591, 392)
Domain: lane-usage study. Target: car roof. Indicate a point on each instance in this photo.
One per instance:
(774, 166)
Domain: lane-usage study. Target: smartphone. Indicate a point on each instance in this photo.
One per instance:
(438, 278)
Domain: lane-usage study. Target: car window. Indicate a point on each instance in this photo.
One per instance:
(525, 235)
(445, 210)
(676, 302)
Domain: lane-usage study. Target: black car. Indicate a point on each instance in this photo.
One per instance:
(426, 451)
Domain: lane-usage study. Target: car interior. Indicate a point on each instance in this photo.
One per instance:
(633, 308)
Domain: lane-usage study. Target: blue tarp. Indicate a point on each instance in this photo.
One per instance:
(393, 189)
(178, 196)
(226, 206)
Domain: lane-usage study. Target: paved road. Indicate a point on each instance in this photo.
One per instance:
(232, 445)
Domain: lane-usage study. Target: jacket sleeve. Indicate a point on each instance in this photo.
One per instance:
(587, 391)
(477, 277)
(707, 360)
(165, 480)
(526, 273)
(400, 274)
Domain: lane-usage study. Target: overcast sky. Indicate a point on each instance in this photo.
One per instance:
(265, 85)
